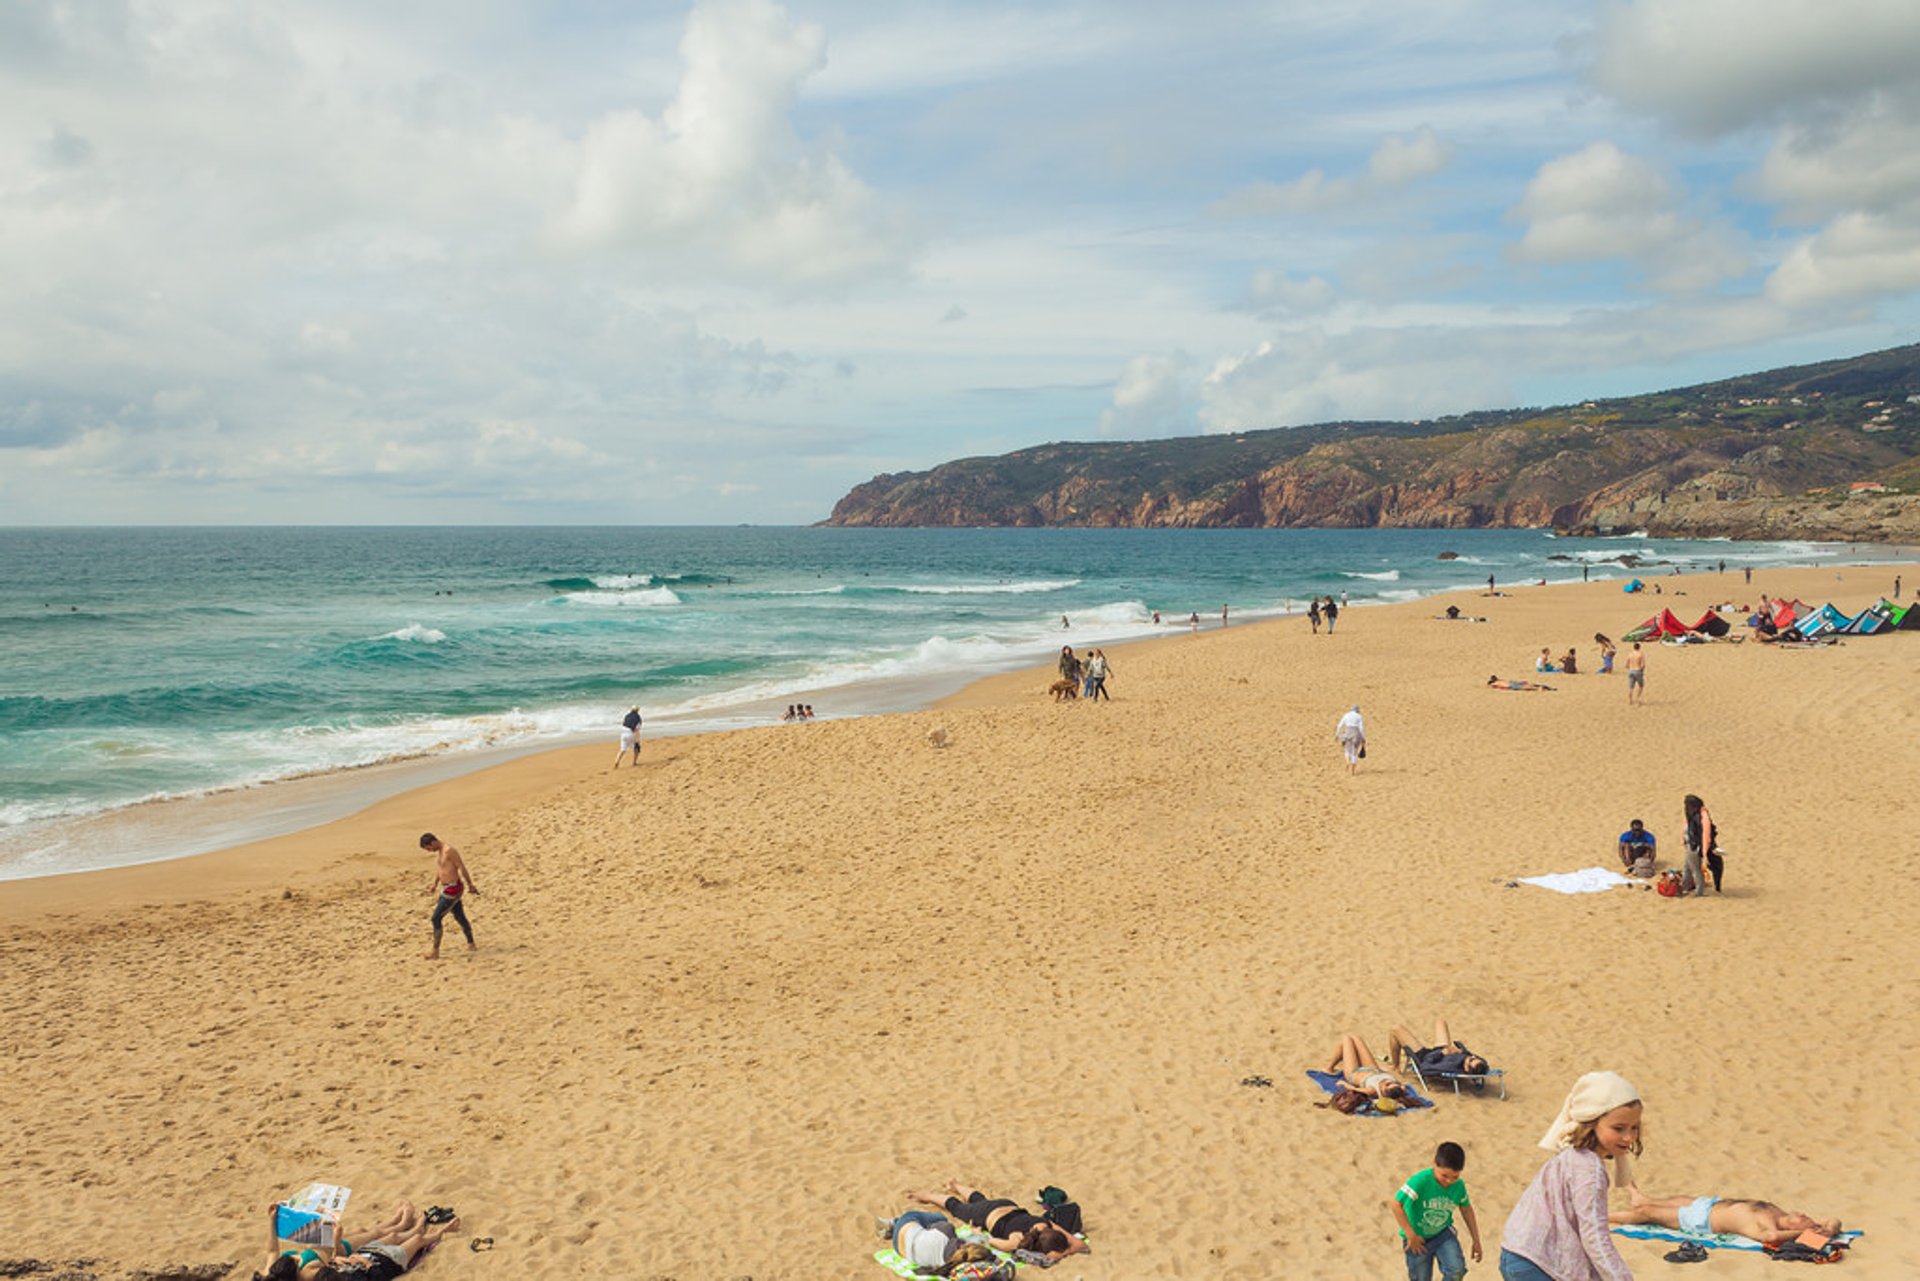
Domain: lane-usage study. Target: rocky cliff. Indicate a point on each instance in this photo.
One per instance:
(1770, 455)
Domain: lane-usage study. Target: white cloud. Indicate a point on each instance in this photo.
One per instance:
(1154, 397)
(721, 179)
(1716, 65)
(1398, 162)
(1599, 204)
(1857, 255)
(1867, 159)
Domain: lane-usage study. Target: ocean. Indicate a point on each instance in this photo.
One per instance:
(142, 664)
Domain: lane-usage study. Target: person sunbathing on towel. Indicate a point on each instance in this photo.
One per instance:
(1494, 682)
(927, 1240)
(1359, 1070)
(1010, 1227)
(1761, 1221)
(390, 1249)
(1441, 1055)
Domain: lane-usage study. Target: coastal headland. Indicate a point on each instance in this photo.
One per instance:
(729, 1004)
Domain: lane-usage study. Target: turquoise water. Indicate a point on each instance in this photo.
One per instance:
(142, 663)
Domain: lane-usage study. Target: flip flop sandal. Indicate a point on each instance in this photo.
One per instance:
(480, 1245)
(438, 1214)
(1688, 1253)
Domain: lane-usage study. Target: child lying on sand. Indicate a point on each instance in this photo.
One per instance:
(1761, 1221)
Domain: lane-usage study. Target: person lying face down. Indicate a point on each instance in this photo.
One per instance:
(1761, 1221)
(1008, 1226)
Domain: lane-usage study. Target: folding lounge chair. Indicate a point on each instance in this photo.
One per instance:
(1475, 1081)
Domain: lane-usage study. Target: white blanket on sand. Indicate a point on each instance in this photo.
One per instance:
(1588, 880)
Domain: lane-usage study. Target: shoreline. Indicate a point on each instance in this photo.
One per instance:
(519, 775)
(1062, 949)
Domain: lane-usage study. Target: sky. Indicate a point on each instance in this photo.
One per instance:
(635, 263)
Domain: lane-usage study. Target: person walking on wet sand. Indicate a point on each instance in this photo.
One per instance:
(453, 880)
(629, 738)
(1636, 675)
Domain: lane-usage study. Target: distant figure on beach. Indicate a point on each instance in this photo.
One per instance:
(1586, 572)
(1097, 671)
(1494, 682)
(1558, 1227)
(1636, 675)
(1699, 1216)
(1156, 618)
(1343, 600)
(1489, 584)
(1193, 622)
(1570, 662)
(1748, 571)
(1313, 614)
(1223, 616)
(1606, 653)
(1544, 663)
(387, 1249)
(806, 711)
(1332, 612)
(1703, 847)
(792, 713)
(1896, 587)
(1637, 849)
(453, 880)
(1007, 1225)
(1359, 1070)
(1064, 624)
(1351, 734)
(1070, 670)
(629, 737)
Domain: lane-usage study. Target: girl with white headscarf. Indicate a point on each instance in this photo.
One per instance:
(1351, 734)
(1558, 1229)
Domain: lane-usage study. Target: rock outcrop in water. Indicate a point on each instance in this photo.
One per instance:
(1828, 451)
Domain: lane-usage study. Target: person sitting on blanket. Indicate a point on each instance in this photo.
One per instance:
(1761, 1221)
(1443, 1056)
(1010, 1227)
(1494, 682)
(1359, 1070)
(928, 1241)
(390, 1249)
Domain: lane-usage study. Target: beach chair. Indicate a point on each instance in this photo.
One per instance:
(1475, 1081)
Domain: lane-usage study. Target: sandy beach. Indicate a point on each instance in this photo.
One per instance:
(728, 1005)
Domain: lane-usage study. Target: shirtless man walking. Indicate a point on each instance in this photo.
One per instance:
(1636, 675)
(453, 880)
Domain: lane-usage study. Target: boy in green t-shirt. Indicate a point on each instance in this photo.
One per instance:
(1424, 1206)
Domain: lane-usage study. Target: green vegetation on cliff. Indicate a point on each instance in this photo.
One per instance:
(1762, 455)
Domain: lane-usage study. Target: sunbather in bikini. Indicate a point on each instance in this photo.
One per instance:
(1761, 1221)
(1359, 1070)
(1494, 682)
(1010, 1227)
(390, 1249)
(1442, 1055)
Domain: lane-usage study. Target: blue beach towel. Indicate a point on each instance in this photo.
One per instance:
(1713, 1241)
(1330, 1082)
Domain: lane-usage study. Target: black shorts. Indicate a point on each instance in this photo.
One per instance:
(974, 1210)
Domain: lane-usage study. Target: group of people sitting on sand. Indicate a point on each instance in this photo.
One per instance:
(386, 1249)
(798, 712)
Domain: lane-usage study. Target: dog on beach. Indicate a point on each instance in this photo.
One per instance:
(1063, 690)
